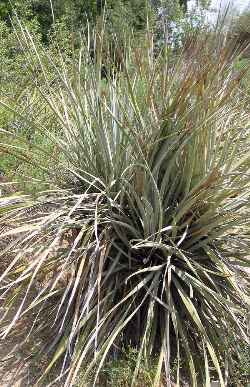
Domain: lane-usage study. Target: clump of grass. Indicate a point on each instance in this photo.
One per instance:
(119, 372)
(139, 240)
(240, 361)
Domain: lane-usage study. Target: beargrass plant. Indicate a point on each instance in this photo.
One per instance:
(141, 238)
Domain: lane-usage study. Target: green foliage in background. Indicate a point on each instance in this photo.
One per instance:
(121, 13)
(19, 87)
(242, 25)
(76, 12)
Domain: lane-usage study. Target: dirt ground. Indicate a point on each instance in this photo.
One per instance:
(13, 373)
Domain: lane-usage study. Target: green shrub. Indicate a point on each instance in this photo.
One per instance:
(132, 13)
(119, 372)
(240, 27)
(138, 240)
(240, 364)
(19, 88)
(243, 65)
